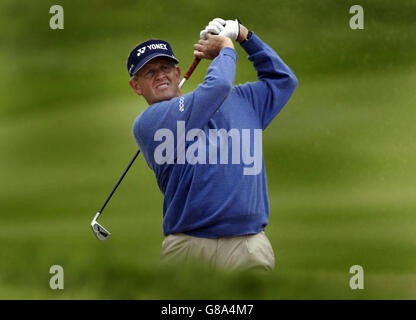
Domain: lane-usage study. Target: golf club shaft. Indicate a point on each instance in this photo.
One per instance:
(186, 77)
(119, 181)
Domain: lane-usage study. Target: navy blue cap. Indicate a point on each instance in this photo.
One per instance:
(146, 51)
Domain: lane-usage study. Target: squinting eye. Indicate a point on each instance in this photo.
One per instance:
(149, 74)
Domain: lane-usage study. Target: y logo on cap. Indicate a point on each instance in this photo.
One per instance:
(141, 51)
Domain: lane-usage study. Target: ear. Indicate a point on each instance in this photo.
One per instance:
(136, 87)
(178, 73)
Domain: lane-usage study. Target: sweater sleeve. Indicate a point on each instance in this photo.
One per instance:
(206, 99)
(276, 82)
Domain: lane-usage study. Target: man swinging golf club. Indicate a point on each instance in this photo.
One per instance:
(205, 148)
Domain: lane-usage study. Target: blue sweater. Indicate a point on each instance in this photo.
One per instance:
(205, 147)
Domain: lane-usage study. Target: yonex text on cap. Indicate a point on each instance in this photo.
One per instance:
(146, 51)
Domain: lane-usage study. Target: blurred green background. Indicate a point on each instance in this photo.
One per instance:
(340, 156)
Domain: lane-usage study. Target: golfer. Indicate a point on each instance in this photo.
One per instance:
(205, 147)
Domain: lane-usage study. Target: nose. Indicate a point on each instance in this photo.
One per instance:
(160, 73)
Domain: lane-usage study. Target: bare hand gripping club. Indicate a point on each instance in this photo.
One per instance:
(100, 232)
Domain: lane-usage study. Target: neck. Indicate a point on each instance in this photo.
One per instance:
(177, 94)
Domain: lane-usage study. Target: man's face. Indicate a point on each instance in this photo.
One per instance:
(157, 80)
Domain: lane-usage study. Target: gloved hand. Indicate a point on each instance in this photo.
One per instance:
(214, 27)
(225, 28)
(231, 29)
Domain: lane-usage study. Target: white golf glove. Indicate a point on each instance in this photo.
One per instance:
(231, 29)
(215, 27)
(225, 28)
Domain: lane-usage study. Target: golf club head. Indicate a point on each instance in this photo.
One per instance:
(100, 232)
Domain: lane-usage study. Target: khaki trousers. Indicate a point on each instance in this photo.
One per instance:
(242, 252)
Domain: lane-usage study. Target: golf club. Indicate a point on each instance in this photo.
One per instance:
(190, 70)
(100, 232)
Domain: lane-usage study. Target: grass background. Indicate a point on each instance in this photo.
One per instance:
(340, 157)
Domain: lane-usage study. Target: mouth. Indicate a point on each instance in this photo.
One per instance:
(162, 86)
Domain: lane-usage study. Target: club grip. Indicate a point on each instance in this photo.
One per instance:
(192, 68)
